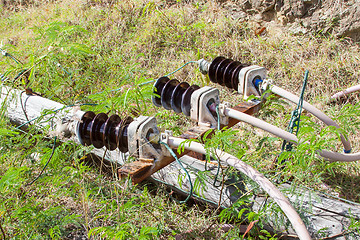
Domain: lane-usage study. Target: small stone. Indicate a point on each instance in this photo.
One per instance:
(298, 29)
(238, 15)
(258, 17)
(246, 5)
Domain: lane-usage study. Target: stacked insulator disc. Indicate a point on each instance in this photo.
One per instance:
(225, 71)
(173, 94)
(100, 130)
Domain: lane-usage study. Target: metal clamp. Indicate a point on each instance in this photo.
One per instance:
(143, 139)
(203, 107)
(247, 78)
(266, 84)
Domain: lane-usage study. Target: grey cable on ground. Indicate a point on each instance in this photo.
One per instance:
(326, 154)
(313, 110)
(255, 175)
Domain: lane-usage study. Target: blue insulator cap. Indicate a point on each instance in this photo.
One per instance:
(257, 82)
(348, 151)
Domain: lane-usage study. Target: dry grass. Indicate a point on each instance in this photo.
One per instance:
(139, 40)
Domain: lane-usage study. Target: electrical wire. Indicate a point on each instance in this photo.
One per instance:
(313, 110)
(345, 92)
(255, 175)
(180, 68)
(217, 159)
(6, 54)
(183, 168)
(23, 105)
(47, 162)
(326, 154)
(3, 78)
(295, 116)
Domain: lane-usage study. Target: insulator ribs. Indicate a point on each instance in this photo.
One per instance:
(225, 71)
(100, 130)
(173, 94)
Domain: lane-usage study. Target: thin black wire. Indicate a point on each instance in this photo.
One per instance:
(23, 106)
(48, 161)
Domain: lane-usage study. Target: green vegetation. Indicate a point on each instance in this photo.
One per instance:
(101, 52)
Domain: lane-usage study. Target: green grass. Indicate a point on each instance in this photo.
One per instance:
(107, 45)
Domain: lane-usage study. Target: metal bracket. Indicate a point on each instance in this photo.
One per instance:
(265, 86)
(165, 136)
(203, 107)
(143, 139)
(133, 143)
(142, 135)
(247, 76)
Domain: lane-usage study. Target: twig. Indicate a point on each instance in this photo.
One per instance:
(334, 236)
(2, 231)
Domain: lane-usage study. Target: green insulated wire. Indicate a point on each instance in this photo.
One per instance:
(183, 168)
(180, 68)
(6, 54)
(169, 73)
(3, 78)
(217, 159)
(295, 115)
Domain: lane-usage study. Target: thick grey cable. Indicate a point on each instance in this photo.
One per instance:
(327, 155)
(255, 175)
(260, 124)
(313, 110)
(346, 91)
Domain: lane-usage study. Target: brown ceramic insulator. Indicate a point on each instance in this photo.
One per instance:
(122, 137)
(158, 87)
(186, 99)
(225, 72)
(100, 130)
(229, 70)
(235, 77)
(83, 128)
(220, 70)
(167, 92)
(96, 130)
(212, 68)
(176, 96)
(109, 137)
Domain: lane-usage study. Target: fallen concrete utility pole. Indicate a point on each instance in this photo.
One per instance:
(319, 212)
